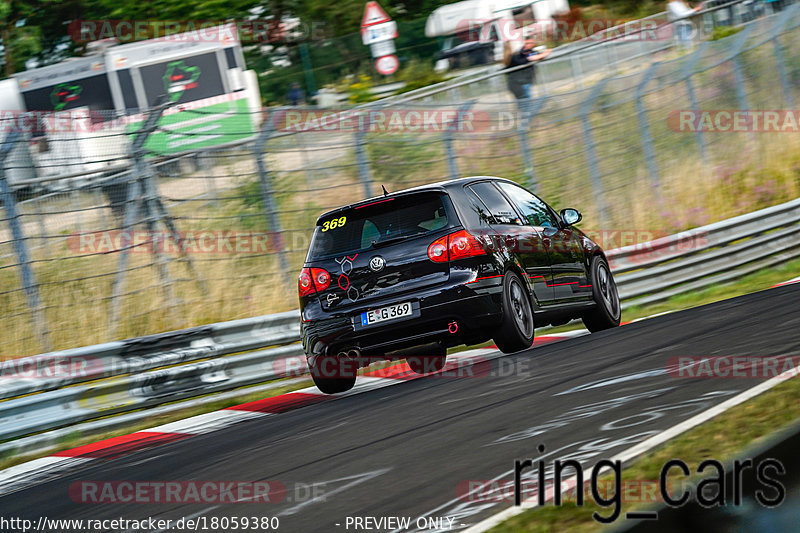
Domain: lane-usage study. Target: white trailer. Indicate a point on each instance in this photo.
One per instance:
(85, 108)
(485, 26)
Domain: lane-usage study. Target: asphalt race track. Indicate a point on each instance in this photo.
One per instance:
(408, 450)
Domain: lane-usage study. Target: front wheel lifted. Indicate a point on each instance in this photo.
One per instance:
(516, 330)
(607, 312)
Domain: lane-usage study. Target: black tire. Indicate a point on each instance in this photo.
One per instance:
(331, 375)
(429, 361)
(607, 313)
(517, 329)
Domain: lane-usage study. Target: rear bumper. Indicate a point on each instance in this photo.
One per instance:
(452, 315)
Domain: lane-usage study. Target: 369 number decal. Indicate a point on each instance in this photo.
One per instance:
(334, 223)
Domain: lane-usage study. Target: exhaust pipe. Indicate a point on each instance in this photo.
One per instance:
(350, 353)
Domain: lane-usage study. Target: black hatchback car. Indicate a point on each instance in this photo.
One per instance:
(411, 273)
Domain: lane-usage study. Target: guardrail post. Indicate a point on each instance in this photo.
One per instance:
(591, 153)
(362, 161)
(688, 72)
(29, 284)
(454, 125)
(268, 195)
(522, 132)
(644, 127)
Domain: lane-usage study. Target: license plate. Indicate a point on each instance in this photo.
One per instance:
(384, 314)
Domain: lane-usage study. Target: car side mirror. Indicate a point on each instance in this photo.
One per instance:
(571, 216)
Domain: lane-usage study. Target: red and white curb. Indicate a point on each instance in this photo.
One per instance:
(790, 282)
(461, 364)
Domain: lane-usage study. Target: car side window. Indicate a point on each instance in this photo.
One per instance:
(533, 209)
(498, 207)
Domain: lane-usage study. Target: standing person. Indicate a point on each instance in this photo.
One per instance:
(521, 80)
(677, 11)
(295, 95)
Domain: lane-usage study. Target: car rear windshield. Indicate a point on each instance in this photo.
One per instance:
(380, 223)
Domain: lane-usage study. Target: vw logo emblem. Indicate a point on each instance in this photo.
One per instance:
(377, 263)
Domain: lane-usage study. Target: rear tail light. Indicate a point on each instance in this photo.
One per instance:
(437, 251)
(462, 245)
(311, 279)
(304, 284)
(458, 245)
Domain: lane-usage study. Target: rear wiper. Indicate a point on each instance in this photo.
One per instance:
(394, 240)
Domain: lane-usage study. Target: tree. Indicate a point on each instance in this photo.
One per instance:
(20, 40)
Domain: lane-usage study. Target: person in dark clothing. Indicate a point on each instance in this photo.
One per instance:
(295, 95)
(520, 81)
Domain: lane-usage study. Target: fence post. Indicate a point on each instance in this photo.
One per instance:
(693, 58)
(644, 127)
(20, 248)
(137, 188)
(268, 195)
(451, 126)
(779, 62)
(591, 153)
(151, 216)
(308, 69)
(577, 75)
(522, 132)
(362, 161)
(741, 94)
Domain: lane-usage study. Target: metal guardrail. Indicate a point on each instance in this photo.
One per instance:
(128, 375)
(711, 254)
(50, 371)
